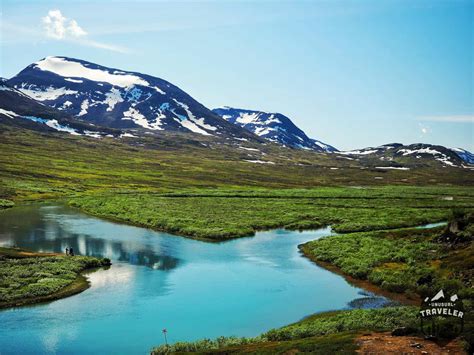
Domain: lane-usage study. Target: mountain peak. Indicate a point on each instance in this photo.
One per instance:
(116, 98)
(76, 68)
(274, 127)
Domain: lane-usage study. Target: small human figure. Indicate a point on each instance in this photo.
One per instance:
(71, 252)
(67, 251)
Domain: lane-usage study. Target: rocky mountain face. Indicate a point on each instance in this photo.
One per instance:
(273, 127)
(18, 109)
(119, 99)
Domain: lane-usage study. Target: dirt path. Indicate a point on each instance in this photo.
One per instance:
(385, 343)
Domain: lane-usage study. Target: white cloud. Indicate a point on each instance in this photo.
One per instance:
(75, 30)
(59, 27)
(448, 118)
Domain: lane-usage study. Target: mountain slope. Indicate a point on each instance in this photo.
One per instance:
(115, 98)
(465, 155)
(274, 127)
(18, 109)
(396, 155)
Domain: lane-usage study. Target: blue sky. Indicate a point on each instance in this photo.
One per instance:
(350, 73)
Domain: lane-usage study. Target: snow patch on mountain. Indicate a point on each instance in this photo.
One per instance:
(465, 155)
(441, 157)
(259, 162)
(358, 152)
(84, 107)
(8, 113)
(392, 168)
(119, 99)
(273, 127)
(52, 123)
(49, 93)
(392, 152)
(112, 98)
(198, 121)
(66, 68)
(74, 81)
(134, 115)
(186, 123)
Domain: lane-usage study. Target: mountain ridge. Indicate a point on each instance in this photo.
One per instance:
(272, 126)
(18, 109)
(394, 154)
(119, 99)
(67, 94)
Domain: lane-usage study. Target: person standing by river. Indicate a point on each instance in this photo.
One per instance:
(67, 251)
(71, 251)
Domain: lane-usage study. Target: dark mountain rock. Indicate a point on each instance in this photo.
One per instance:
(119, 99)
(274, 127)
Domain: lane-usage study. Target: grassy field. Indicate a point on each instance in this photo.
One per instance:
(224, 214)
(398, 261)
(38, 165)
(28, 277)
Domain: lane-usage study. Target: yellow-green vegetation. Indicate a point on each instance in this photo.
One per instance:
(411, 261)
(338, 343)
(27, 277)
(37, 165)
(225, 214)
(6, 203)
(415, 262)
(326, 333)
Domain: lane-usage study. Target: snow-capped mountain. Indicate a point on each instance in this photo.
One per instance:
(120, 99)
(396, 155)
(274, 127)
(18, 109)
(465, 155)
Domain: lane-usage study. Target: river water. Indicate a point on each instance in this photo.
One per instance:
(194, 289)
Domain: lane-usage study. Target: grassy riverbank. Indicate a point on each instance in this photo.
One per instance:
(223, 213)
(27, 277)
(416, 262)
(326, 333)
(409, 261)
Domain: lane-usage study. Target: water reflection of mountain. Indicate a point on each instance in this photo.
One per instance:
(150, 259)
(36, 232)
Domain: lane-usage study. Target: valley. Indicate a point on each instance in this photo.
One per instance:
(127, 166)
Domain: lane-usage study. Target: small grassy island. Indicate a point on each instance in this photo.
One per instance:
(28, 277)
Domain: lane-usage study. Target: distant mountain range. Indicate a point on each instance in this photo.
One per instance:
(397, 155)
(119, 99)
(274, 127)
(82, 98)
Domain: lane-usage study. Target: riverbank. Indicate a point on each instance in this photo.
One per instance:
(411, 262)
(222, 214)
(28, 277)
